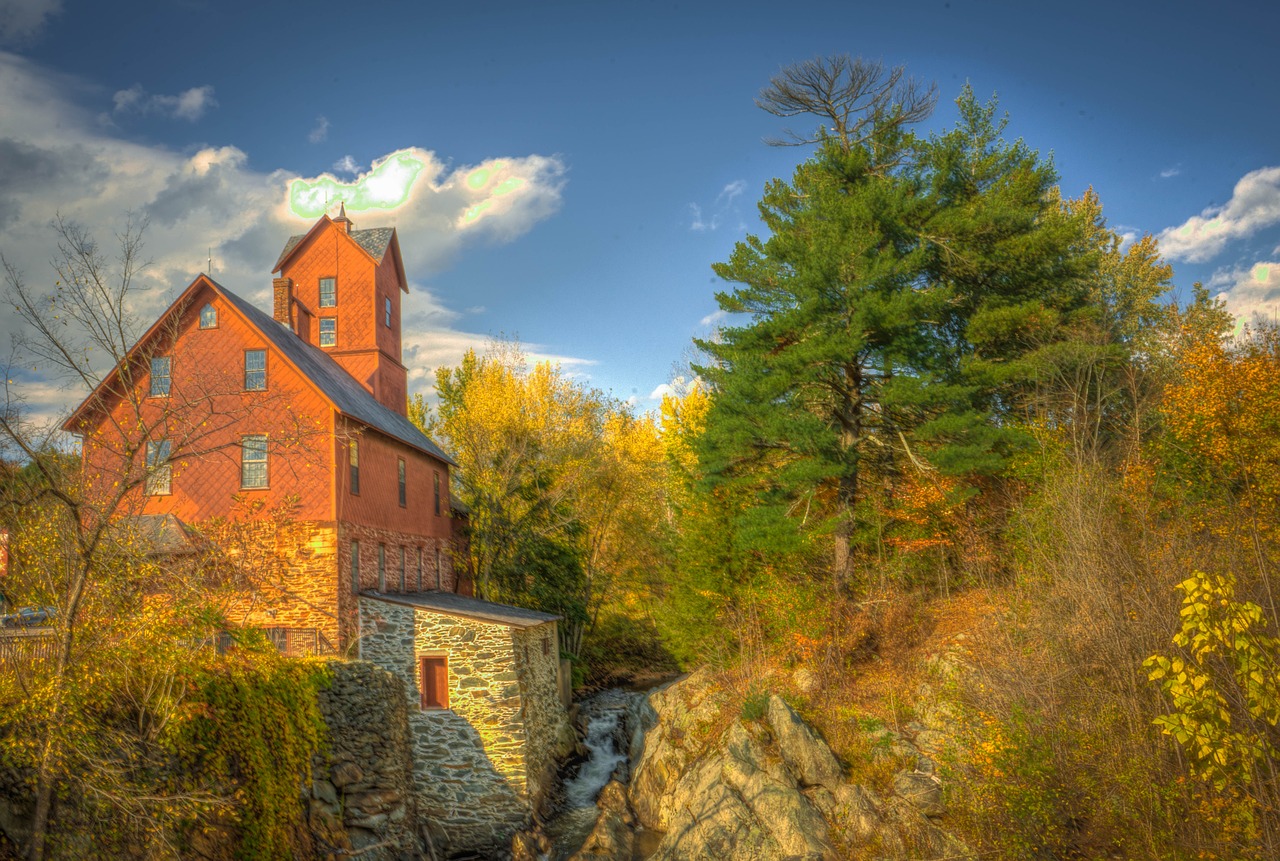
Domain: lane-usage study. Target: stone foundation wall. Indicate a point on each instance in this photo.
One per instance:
(287, 576)
(362, 799)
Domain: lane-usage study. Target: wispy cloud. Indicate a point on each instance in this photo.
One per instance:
(1170, 172)
(721, 209)
(715, 318)
(346, 165)
(189, 105)
(320, 131)
(1254, 205)
(22, 20)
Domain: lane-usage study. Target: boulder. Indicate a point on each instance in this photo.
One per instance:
(613, 838)
(807, 755)
(921, 791)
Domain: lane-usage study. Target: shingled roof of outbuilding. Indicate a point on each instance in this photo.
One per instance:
(466, 607)
(375, 240)
(350, 398)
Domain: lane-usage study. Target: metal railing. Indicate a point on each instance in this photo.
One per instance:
(292, 642)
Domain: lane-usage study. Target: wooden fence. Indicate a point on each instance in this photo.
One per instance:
(25, 649)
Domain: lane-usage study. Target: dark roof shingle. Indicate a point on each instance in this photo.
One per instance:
(351, 398)
(468, 608)
(375, 240)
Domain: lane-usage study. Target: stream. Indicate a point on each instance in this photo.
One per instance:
(607, 743)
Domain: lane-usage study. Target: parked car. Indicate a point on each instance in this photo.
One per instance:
(29, 617)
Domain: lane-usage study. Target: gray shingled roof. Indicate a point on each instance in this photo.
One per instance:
(351, 398)
(375, 240)
(467, 608)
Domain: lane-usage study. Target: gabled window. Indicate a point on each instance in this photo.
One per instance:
(253, 461)
(255, 370)
(328, 292)
(436, 475)
(159, 470)
(208, 317)
(160, 377)
(382, 567)
(401, 476)
(433, 681)
(387, 312)
(355, 566)
(328, 331)
(353, 458)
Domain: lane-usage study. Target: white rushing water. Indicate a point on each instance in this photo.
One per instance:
(571, 825)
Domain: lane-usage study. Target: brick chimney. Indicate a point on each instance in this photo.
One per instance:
(283, 305)
(342, 221)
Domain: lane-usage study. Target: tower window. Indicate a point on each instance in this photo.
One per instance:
(387, 311)
(353, 459)
(436, 475)
(328, 292)
(328, 331)
(208, 317)
(403, 485)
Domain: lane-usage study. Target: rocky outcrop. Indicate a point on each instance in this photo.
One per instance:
(744, 790)
(613, 838)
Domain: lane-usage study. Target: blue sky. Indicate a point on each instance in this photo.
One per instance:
(631, 126)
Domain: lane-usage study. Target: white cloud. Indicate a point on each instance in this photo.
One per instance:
(715, 318)
(21, 20)
(320, 132)
(189, 105)
(346, 164)
(59, 159)
(721, 209)
(1254, 205)
(1251, 292)
(1170, 172)
(662, 391)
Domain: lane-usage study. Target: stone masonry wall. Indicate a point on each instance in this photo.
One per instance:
(547, 731)
(369, 579)
(469, 760)
(361, 799)
(290, 578)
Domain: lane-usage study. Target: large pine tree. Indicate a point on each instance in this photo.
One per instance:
(892, 307)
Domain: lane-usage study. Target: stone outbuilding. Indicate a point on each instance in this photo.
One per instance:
(487, 718)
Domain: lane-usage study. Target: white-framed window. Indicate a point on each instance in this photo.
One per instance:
(255, 370)
(328, 331)
(328, 292)
(159, 470)
(160, 379)
(209, 317)
(253, 461)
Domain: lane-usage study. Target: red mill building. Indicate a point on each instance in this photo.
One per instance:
(220, 407)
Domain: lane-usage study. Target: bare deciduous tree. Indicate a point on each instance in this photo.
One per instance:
(858, 98)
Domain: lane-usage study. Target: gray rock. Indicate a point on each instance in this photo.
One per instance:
(808, 756)
(922, 791)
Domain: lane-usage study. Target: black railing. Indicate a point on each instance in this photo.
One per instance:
(27, 648)
(293, 642)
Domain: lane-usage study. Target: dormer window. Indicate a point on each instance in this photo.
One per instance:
(328, 331)
(208, 317)
(160, 377)
(328, 292)
(387, 306)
